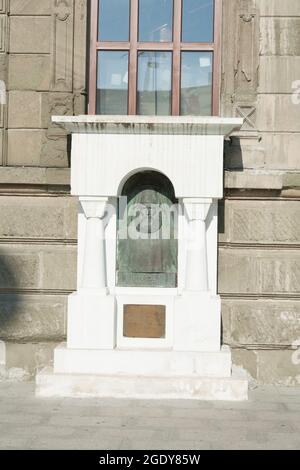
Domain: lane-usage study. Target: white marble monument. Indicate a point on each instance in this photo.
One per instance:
(187, 360)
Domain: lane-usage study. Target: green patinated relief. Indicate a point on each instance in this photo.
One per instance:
(147, 232)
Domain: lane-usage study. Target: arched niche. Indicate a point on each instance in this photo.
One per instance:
(147, 232)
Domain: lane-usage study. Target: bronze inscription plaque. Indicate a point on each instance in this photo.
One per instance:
(144, 321)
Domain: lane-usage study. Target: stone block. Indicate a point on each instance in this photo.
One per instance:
(244, 153)
(278, 113)
(55, 151)
(30, 357)
(19, 268)
(30, 7)
(58, 266)
(29, 72)
(36, 176)
(279, 367)
(27, 109)
(37, 318)
(38, 41)
(291, 180)
(254, 179)
(281, 150)
(47, 218)
(280, 36)
(246, 360)
(277, 73)
(43, 267)
(2, 353)
(24, 147)
(278, 8)
(258, 271)
(260, 323)
(2, 140)
(268, 222)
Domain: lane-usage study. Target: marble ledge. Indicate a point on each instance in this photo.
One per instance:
(164, 125)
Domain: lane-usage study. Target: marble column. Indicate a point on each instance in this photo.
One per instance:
(94, 263)
(196, 258)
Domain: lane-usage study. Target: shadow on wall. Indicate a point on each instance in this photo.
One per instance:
(27, 327)
(233, 157)
(9, 300)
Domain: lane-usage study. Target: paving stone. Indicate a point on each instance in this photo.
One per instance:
(270, 420)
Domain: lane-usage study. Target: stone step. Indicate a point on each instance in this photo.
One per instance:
(165, 363)
(49, 384)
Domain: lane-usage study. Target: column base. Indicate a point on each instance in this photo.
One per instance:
(197, 322)
(92, 319)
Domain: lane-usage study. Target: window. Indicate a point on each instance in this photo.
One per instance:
(155, 57)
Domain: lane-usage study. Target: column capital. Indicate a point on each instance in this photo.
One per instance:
(94, 207)
(197, 208)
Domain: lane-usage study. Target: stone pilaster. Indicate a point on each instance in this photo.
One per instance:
(3, 79)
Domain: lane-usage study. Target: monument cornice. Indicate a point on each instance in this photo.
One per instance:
(164, 125)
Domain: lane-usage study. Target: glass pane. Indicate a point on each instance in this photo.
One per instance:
(198, 21)
(112, 82)
(154, 83)
(113, 20)
(196, 83)
(155, 20)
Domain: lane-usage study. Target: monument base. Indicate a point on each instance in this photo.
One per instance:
(142, 374)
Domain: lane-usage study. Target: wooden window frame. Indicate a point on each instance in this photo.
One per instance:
(133, 46)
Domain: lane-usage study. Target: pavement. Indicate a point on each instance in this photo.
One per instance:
(269, 420)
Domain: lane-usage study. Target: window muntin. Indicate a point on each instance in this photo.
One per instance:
(178, 47)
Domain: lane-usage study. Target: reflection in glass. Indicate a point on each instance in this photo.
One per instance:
(198, 21)
(112, 82)
(196, 83)
(113, 20)
(155, 20)
(154, 83)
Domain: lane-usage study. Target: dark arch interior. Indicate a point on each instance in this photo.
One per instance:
(149, 180)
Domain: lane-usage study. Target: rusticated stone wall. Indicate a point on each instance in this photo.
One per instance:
(43, 65)
(259, 256)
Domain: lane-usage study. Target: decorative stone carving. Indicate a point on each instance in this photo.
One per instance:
(247, 64)
(80, 47)
(241, 61)
(248, 113)
(62, 45)
(55, 146)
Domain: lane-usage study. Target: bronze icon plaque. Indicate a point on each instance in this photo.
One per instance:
(144, 321)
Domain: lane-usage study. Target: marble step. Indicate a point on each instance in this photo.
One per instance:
(49, 384)
(140, 362)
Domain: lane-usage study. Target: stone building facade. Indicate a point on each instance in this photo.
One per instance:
(44, 66)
